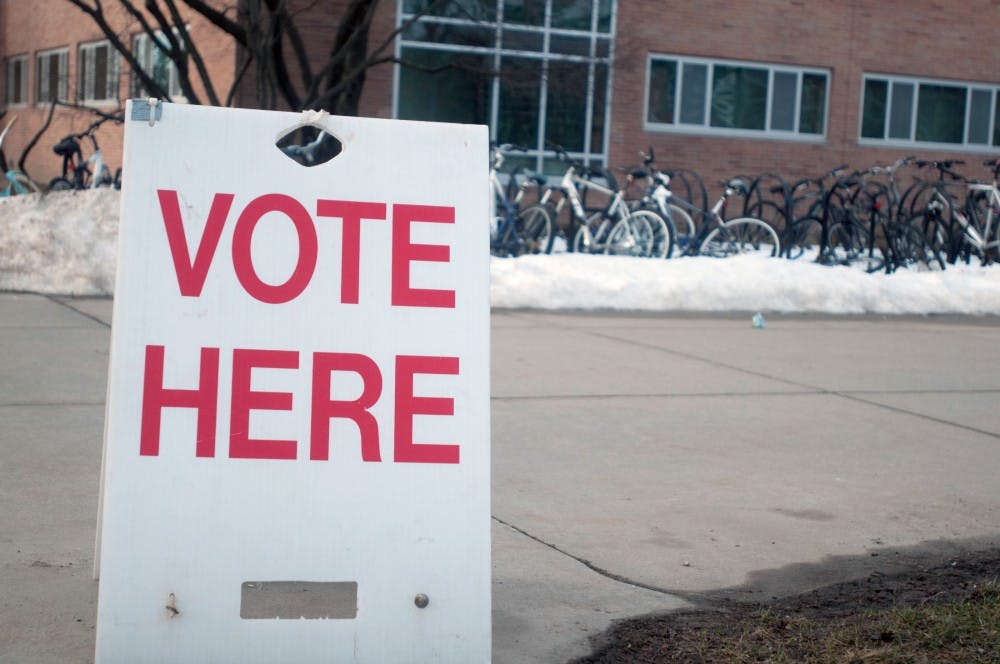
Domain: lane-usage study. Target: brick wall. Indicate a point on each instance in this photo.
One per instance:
(29, 27)
(921, 38)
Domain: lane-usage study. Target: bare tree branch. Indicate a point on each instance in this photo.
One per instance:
(219, 20)
(188, 45)
(174, 51)
(34, 139)
(96, 13)
(298, 47)
(238, 79)
(270, 41)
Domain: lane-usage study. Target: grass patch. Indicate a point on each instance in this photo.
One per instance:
(949, 614)
(966, 630)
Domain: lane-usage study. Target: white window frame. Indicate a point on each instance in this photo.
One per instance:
(706, 128)
(142, 49)
(22, 94)
(590, 153)
(85, 65)
(916, 82)
(44, 96)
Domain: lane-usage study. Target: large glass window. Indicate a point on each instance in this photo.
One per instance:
(152, 57)
(735, 98)
(52, 81)
(907, 111)
(97, 71)
(16, 88)
(535, 71)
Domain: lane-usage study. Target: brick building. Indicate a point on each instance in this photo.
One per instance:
(788, 86)
(51, 50)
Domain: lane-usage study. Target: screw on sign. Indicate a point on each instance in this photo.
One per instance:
(297, 441)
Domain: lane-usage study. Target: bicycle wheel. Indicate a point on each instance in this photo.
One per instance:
(534, 228)
(663, 233)
(684, 227)
(802, 238)
(846, 246)
(631, 236)
(20, 183)
(60, 184)
(743, 235)
(911, 247)
(583, 241)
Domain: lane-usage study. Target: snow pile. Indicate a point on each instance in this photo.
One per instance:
(66, 243)
(740, 283)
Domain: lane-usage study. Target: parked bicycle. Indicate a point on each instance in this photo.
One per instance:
(80, 173)
(517, 231)
(795, 208)
(16, 182)
(658, 198)
(716, 236)
(612, 228)
(962, 230)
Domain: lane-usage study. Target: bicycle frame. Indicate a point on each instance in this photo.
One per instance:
(617, 206)
(517, 230)
(980, 241)
(17, 182)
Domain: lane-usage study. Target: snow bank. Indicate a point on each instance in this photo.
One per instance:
(62, 243)
(740, 283)
(66, 243)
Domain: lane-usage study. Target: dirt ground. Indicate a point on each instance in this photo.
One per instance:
(716, 631)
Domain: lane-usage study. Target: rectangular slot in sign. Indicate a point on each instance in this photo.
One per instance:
(295, 600)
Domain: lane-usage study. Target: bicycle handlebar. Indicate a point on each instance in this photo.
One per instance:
(943, 167)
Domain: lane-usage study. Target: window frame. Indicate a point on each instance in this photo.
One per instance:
(705, 128)
(86, 51)
(912, 143)
(24, 93)
(600, 38)
(145, 61)
(62, 93)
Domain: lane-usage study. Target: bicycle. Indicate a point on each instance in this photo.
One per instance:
(718, 237)
(79, 173)
(17, 181)
(798, 210)
(657, 197)
(613, 229)
(865, 221)
(517, 231)
(967, 230)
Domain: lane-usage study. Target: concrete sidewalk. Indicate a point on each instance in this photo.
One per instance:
(637, 460)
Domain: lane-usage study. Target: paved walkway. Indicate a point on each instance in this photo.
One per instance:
(637, 461)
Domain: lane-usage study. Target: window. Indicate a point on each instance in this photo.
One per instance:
(97, 69)
(156, 63)
(921, 112)
(52, 80)
(536, 71)
(735, 98)
(16, 91)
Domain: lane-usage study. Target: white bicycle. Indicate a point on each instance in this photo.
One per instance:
(612, 229)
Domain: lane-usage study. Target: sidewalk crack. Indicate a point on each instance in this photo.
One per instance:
(586, 563)
(62, 302)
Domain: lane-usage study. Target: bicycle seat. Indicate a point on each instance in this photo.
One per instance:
(66, 146)
(739, 186)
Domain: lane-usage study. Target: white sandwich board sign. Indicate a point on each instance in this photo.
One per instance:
(297, 451)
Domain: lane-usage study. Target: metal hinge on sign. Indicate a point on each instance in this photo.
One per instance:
(149, 110)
